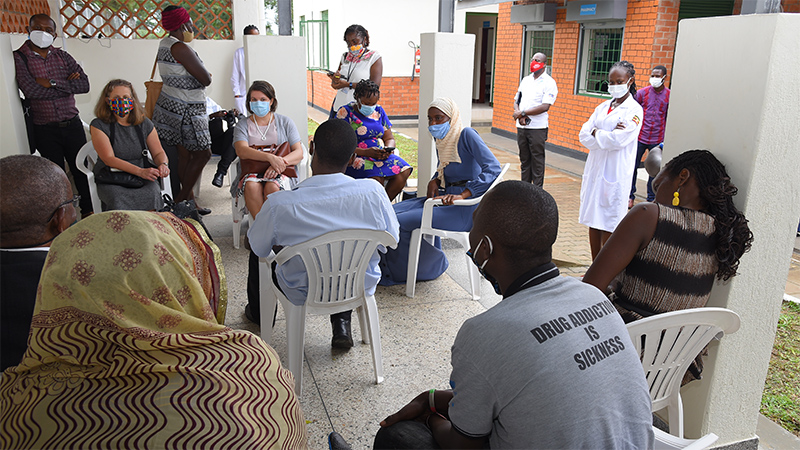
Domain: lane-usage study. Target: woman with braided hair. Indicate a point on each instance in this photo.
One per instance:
(665, 255)
(611, 134)
(357, 63)
(371, 125)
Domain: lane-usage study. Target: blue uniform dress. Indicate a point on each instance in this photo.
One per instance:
(478, 168)
(368, 130)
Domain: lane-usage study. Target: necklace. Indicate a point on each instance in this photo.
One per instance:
(266, 129)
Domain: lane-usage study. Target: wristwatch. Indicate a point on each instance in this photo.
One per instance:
(53, 83)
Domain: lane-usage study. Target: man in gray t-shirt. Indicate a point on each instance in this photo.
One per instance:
(550, 366)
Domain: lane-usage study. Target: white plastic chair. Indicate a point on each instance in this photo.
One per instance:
(87, 159)
(336, 264)
(239, 212)
(668, 343)
(666, 441)
(426, 229)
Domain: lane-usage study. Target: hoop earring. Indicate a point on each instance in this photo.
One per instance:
(676, 200)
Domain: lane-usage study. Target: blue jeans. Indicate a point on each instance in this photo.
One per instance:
(639, 153)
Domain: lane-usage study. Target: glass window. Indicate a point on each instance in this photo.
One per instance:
(600, 49)
(538, 38)
(316, 34)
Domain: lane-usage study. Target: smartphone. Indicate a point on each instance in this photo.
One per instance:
(329, 72)
(388, 149)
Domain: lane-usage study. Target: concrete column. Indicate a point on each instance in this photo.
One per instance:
(247, 12)
(749, 121)
(12, 124)
(446, 71)
(285, 70)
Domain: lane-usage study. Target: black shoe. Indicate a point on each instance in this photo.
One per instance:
(337, 442)
(203, 211)
(217, 181)
(342, 337)
(250, 317)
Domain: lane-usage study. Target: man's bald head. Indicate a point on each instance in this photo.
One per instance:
(31, 189)
(540, 57)
(521, 218)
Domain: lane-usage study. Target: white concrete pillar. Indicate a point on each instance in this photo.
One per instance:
(735, 91)
(247, 12)
(12, 124)
(281, 60)
(446, 61)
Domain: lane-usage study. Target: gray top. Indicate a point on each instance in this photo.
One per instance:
(127, 147)
(285, 127)
(551, 366)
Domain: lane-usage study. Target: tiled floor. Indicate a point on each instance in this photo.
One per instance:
(339, 391)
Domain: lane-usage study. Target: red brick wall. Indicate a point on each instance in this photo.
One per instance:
(399, 95)
(649, 40)
(15, 14)
(791, 6)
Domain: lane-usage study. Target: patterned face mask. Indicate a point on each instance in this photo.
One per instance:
(121, 106)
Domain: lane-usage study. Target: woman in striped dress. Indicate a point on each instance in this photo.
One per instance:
(180, 112)
(664, 256)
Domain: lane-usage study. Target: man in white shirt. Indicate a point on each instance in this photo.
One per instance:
(238, 81)
(536, 93)
(328, 201)
(36, 204)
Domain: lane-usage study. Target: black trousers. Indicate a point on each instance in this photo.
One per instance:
(531, 154)
(222, 144)
(57, 143)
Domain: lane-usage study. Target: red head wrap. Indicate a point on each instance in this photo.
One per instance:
(536, 65)
(173, 19)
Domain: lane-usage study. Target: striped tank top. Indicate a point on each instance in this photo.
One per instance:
(674, 271)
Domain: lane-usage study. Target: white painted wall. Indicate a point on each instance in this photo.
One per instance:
(12, 124)
(391, 24)
(288, 78)
(750, 123)
(448, 57)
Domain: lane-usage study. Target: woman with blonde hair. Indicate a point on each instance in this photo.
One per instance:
(120, 134)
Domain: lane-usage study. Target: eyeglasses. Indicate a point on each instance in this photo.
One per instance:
(74, 200)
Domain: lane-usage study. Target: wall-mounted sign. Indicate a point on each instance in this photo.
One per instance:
(487, 24)
(596, 10)
(589, 10)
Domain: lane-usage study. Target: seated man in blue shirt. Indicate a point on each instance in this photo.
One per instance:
(328, 201)
(550, 366)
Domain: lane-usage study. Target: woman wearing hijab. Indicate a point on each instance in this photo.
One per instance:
(127, 348)
(180, 113)
(466, 169)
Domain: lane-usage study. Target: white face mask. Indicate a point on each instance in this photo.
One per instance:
(41, 39)
(619, 90)
(656, 81)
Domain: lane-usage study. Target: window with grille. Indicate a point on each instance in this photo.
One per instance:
(316, 34)
(600, 49)
(142, 18)
(538, 39)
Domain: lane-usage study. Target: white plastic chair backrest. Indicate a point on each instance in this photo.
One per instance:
(86, 160)
(666, 441)
(668, 343)
(336, 263)
(499, 178)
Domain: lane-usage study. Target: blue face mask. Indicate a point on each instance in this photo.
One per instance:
(489, 278)
(260, 109)
(439, 131)
(367, 110)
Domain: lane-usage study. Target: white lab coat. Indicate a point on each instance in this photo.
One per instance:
(609, 167)
(238, 83)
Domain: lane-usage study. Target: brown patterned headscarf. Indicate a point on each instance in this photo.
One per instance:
(127, 329)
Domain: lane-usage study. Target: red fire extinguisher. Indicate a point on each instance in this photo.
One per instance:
(415, 72)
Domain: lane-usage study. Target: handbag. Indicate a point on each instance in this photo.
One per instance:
(121, 178)
(153, 89)
(259, 167)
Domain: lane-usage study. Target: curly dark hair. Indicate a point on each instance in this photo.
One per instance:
(359, 30)
(365, 88)
(627, 67)
(716, 190)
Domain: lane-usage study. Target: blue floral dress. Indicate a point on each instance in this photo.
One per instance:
(368, 131)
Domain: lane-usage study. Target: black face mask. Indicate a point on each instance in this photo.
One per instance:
(488, 277)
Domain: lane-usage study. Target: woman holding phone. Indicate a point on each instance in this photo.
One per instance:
(357, 63)
(371, 125)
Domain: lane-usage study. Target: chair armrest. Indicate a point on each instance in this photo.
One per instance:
(427, 210)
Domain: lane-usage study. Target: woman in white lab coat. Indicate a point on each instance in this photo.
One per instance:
(610, 134)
